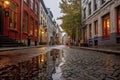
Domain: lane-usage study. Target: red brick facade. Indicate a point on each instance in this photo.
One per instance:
(14, 25)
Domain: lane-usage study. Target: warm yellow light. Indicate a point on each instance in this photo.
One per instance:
(42, 60)
(42, 32)
(6, 2)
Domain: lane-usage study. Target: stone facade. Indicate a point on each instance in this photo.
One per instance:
(97, 13)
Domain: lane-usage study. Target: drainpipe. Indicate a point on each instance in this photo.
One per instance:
(21, 22)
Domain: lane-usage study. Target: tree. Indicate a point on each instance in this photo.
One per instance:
(72, 17)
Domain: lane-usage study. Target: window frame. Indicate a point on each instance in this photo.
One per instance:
(95, 5)
(96, 27)
(36, 29)
(106, 28)
(31, 25)
(84, 12)
(25, 22)
(90, 30)
(118, 21)
(89, 8)
(13, 16)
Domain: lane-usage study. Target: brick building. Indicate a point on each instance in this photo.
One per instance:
(19, 19)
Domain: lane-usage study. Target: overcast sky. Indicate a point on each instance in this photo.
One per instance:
(54, 7)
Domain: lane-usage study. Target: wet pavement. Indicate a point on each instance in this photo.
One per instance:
(90, 65)
(58, 63)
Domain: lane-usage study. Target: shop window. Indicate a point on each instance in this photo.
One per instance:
(36, 29)
(118, 20)
(31, 25)
(106, 26)
(96, 27)
(25, 22)
(13, 16)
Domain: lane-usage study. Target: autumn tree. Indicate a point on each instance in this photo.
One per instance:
(71, 19)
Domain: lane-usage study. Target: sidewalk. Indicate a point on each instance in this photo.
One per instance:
(105, 50)
(2, 49)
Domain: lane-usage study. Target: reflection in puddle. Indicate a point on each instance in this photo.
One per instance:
(38, 68)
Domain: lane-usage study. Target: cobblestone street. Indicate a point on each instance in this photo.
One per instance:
(90, 65)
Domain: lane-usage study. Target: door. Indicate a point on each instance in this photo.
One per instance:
(1, 20)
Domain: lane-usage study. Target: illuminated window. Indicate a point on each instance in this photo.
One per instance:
(118, 20)
(13, 16)
(25, 22)
(96, 27)
(31, 25)
(36, 29)
(106, 26)
(90, 31)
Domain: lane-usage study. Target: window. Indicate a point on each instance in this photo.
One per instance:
(96, 27)
(13, 16)
(25, 22)
(103, 1)
(31, 25)
(36, 29)
(90, 31)
(85, 34)
(84, 12)
(36, 8)
(26, 1)
(106, 26)
(32, 4)
(95, 4)
(89, 6)
(118, 20)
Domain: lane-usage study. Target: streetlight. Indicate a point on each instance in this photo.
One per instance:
(6, 3)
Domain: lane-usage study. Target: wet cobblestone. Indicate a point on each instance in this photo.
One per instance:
(90, 65)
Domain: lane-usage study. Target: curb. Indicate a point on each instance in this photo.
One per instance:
(20, 48)
(100, 50)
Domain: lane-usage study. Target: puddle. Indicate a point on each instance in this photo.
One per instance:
(43, 67)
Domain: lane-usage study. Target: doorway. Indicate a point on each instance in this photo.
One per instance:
(1, 20)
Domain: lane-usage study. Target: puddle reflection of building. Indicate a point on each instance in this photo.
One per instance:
(54, 59)
(38, 68)
(33, 69)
